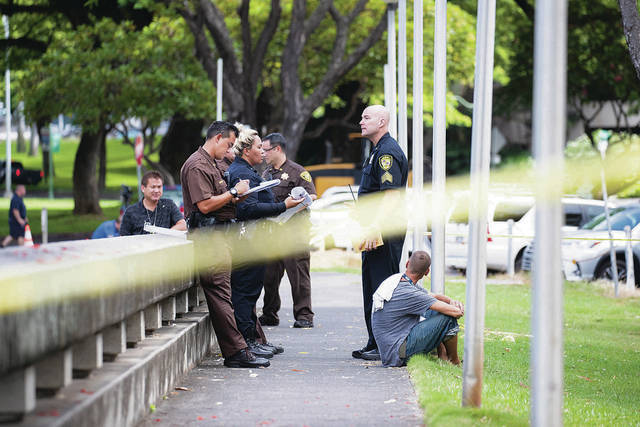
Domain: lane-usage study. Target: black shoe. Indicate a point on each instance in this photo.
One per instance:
(268, 321)
(258, 350)
(303, 324)
(245, 359)
(357, 354)
(371, 355)
(275, 349)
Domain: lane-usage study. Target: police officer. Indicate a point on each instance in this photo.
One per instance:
(210, 204)
(290, 175)
(246, 282)
(385, 169)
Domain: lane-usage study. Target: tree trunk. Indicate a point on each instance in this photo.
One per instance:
(34, 141)
(631, 25)
(181, 140)
(85, 183)
(43, 130)
(102, 174)
(21, 144)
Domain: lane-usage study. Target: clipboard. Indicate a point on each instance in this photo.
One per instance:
(263, 186)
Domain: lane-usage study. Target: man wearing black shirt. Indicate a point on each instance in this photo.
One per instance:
(152, 209)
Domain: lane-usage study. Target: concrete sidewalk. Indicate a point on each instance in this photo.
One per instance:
(315, 382)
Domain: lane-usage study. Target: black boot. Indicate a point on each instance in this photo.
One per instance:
(258, 350)
(275, 349)
(245, 359)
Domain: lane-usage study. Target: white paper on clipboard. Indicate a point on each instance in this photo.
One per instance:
(263, 186)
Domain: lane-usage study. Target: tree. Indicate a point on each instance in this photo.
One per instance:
(631, 25)
(596, 76)
(107, 73)
(244, 59)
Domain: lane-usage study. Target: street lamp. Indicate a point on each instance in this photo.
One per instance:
(603, 143)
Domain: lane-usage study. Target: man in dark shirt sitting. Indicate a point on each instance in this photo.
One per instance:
(398, 305)
(152, 209)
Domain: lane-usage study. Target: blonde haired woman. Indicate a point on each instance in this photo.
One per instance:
(246, 283)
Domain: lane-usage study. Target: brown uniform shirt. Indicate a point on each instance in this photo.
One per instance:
(290, 175)
(201, 178)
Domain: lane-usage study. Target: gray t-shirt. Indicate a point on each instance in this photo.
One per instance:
(400, 314)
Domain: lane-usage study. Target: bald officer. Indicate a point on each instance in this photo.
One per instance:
(290, 175)
(385, 169)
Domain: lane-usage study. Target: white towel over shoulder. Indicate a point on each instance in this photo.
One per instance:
(385, 291)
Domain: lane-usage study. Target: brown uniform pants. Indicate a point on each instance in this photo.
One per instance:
(298, 273)
(216, 283)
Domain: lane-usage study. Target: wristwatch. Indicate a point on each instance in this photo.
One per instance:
(234, 192)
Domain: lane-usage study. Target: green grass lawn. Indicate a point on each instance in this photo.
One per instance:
(121, 165)
(601, 369)
(61, 219)
(121, 169)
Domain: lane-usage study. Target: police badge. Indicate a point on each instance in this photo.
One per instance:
(306, 176)
(385, 162)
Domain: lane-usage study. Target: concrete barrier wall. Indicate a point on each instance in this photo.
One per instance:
(67, 308)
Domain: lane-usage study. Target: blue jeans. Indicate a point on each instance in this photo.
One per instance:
(428, 334)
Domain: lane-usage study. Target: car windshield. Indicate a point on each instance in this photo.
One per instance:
(599, 218)
(630, 217)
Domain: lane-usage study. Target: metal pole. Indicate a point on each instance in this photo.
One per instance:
(391, 61)
(50, 167)
(510, 266)
(7, 91)
(60, 124)
(386, 79)
(477, 254)
(418, 148)
(44, 225)
(549, 127)
(219, 90)
(439, 148)
(402, 76)
(612, 251)
(631, 277)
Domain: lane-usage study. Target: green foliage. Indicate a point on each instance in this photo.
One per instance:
(105, 73)
(369, 71)
(600, 370)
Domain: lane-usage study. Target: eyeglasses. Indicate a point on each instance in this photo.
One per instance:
(269, 149)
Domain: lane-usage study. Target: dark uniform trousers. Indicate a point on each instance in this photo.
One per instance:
(377, 265)
(216, 284)
(298, 273)
(246, 289)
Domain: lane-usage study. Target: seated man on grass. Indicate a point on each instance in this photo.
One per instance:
(398, 305)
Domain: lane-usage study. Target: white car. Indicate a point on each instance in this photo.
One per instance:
(501, 208)
(331, 218)
(586, 255)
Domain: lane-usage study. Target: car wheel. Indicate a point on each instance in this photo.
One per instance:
(605, 270)
(517, 264)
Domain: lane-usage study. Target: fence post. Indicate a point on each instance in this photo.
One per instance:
(510, 265)
(44, 225)
(631, 277)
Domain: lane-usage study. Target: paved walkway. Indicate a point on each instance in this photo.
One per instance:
(315, 382)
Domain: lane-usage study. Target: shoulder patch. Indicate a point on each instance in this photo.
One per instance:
(385, 162)
(306, 176)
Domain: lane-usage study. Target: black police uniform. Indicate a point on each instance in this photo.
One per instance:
(386, 168)
(246, 283)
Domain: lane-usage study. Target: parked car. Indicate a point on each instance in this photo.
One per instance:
(586, 256)
(527, 258)
(20, 175)
(331, 220)
(501, 208)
